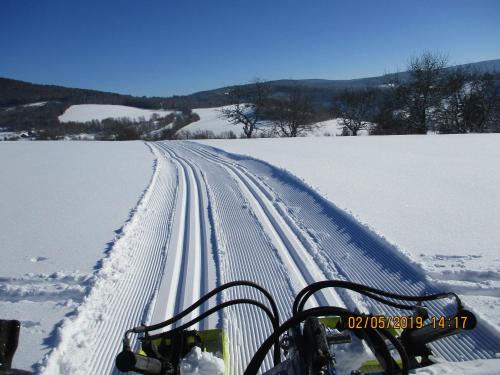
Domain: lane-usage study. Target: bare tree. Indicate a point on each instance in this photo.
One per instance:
(354, 107)
(292, 116)
(423, 91)
(247, 106)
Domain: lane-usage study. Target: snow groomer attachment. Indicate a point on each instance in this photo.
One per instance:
(307, 342)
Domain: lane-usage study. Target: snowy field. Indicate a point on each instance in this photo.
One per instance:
(186, 237)
(89, 112)
(434, 197)
(77, 282)
(61, 206)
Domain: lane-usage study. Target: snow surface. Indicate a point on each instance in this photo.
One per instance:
(89, 112)
(291, 238)
(435, 197)
(197, 362)
(210, 120)
(185, 236)
(61, 203)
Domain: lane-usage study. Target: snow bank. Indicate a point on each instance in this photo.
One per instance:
(201, 363)
(89, 112)
(61, 204)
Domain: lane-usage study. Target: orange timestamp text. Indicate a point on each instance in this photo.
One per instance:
(404, 322)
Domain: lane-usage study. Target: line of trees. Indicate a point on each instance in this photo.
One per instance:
(439, 99)
(118, 129)
(428, 97)
(255, 108)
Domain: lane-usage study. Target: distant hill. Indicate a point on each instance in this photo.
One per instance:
(16, 113)
(14, 93)
(322, 90)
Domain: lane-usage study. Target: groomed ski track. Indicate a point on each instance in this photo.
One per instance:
(209, 217)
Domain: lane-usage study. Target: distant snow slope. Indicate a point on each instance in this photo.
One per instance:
(89, 112)
(60, 205)
(435, 197)
(37, 104)
(211, 120)
(330, 128)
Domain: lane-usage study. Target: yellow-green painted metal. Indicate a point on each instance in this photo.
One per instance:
(330, 321)
(214, 341)
(372, 367)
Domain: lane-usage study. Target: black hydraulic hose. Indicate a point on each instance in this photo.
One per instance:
(405, 361)
(272, 303)
(203, 299)
(368, 294)
(305, 293)
(255, 363)
(209, 312)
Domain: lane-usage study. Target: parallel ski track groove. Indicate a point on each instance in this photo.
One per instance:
(361, 256)
(193, 267)
(292, 241)
(248, 255)
(301, 234)
(248, 314)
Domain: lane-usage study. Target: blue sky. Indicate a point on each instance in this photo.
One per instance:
(170, 47)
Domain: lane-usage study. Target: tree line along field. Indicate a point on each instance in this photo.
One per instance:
(429, 96)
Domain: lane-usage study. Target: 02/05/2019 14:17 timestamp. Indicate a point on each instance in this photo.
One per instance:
(405, 322)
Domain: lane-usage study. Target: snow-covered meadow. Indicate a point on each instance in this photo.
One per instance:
(89, 112)
(61, 206)
(210, 120)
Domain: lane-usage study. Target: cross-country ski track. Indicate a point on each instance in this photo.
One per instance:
(208, 217)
